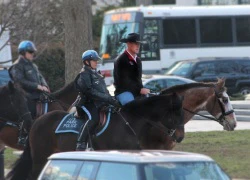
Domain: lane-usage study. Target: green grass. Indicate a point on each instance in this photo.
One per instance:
(9, 157)
(231, 150)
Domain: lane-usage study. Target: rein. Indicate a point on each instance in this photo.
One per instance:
(51, 99)
(165, 130)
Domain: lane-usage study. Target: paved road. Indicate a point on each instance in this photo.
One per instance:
(208, 125)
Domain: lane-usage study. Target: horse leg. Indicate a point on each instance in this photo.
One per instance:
(66, 142)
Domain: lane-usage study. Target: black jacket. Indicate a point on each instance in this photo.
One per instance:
(92, 87)
(127, 74)
(27, 74)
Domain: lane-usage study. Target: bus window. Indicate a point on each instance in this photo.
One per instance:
(150, 36)
(216, 30)
(179, 31)
(243, 29)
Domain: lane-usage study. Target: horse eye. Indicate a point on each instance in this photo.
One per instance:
(225, 100)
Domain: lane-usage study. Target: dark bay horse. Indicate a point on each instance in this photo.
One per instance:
(13, 109)
(125, 131)
(59, 100)
(210, 97)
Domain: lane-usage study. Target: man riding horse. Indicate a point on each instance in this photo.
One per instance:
(94, 95)
(26, 73)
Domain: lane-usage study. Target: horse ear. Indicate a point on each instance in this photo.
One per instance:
(221, 82)
(11, 86)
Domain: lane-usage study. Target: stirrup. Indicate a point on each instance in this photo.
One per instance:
(81, 146)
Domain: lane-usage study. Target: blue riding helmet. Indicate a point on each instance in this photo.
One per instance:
(25, 46)
(90, 55)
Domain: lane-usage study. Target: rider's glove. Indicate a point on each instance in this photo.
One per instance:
(114, 102)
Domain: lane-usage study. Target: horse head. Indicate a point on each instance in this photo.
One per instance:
(13, 104)
(220, 107)
(163, 112)
(178, 118)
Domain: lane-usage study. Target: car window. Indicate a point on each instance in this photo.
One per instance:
(156, 85)
(184, 170)
(244, 66)
(88, 170)
(180, 69)
(206, 69)
(114, 171)
(226, 67)
(173, 82)
(62, 170)
(4, 77)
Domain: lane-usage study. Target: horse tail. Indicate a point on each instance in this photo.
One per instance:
(22, 167)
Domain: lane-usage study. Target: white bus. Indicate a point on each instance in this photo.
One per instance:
(175, 33)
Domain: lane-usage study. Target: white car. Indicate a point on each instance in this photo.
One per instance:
(158, 82)
(131, 165)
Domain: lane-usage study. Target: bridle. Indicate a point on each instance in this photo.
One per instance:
(221, 119)
(51, 99)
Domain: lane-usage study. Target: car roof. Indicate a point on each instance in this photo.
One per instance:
(215, 59)
(148, 77)
(144, 156)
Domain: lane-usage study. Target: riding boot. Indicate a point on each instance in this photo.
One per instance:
(81, 144)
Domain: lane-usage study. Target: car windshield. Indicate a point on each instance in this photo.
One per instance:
(184, 170)
(180, 69)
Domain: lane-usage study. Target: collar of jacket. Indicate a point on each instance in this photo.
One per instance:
(22, 59)
(129, 56)
(87, 68)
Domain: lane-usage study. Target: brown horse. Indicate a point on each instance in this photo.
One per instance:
(211, 97)
(125, 129)
(59, 100)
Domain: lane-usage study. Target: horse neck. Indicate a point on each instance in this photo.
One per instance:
(195, 100)
(66, 95)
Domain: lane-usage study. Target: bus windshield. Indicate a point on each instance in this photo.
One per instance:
(117, 25)
(110, 45)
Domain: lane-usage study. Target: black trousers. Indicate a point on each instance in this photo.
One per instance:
(91, 124)
(32, 106)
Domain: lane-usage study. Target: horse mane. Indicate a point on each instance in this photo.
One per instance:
(147, 105)
(16, 85)
(64, 90)
(184, 87)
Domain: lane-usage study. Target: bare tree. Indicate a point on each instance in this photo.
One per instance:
(39, 21)
(77, 16)
(143, 2)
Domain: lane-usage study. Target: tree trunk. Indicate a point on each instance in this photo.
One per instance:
(77, 17)
(143, 2)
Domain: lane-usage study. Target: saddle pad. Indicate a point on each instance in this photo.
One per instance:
(70, 124)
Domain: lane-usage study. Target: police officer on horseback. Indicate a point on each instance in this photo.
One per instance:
(26, 73)
(94, 95)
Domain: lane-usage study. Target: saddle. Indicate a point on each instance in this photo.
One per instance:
(42, 105)
(81, 114)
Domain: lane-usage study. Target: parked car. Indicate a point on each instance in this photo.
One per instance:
(158, 82)
(131, 165)
(4, 77)
(235, 70)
